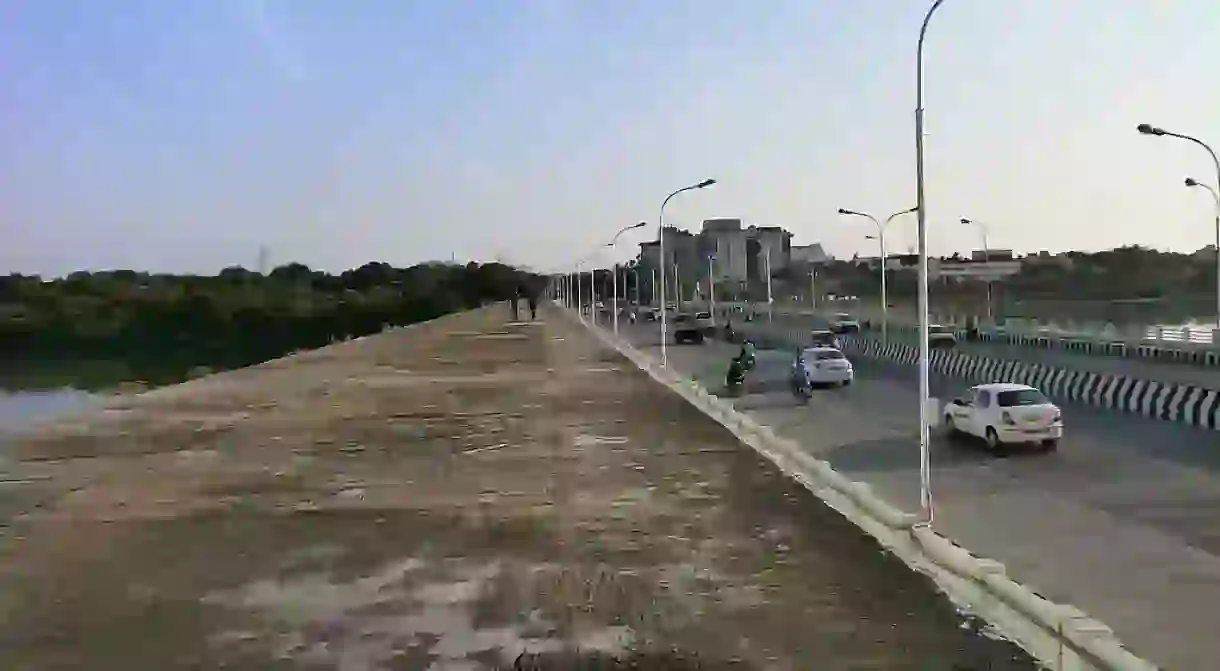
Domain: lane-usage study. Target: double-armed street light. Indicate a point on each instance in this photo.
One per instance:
(661, 239)
(1148, 129)
(880, 238)
(614, 280)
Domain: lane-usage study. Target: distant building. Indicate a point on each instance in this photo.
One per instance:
(726, 242)
(735, 255)
(991, 255)
(973, 270)
(809, 254)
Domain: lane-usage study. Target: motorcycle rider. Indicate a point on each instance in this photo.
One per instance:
(802, 378)
(737, 373)
(747, 354)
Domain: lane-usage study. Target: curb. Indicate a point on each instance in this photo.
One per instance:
(1060, 636)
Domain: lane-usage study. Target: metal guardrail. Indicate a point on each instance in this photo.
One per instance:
(1186, 335)
(1189, 336)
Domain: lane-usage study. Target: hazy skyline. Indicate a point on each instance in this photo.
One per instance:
(181, 136)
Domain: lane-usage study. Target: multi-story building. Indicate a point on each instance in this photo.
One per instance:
(735, 257)
(726, 243)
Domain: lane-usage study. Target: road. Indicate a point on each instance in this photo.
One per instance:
(1182, 373)
(442, 497)
(1121, 521)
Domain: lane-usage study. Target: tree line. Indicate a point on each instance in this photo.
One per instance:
(236, 317)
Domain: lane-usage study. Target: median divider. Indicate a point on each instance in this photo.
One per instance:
(1061, 637)
(1166, 401)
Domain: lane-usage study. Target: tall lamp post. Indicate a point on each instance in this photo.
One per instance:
(611, 244)
(1190, 182)
(661, 239)
(711, 286)
(1147, 129)
(880, 237)
(986, 257)
(921, 212)
(580, 308)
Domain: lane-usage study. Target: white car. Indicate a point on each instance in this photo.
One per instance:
(1004, 413)
(827, 365)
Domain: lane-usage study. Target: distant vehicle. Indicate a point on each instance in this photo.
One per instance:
(824, 338)
(828, 365)
(687, 329)
(1003, 414)
(844, 323)
(942, 336)
(706, 323)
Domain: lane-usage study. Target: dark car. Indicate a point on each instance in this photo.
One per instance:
(824, 338)
(944, 337)
(688, 329)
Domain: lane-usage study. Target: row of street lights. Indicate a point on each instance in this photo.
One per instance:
(567, 289)
(1148, 129)
(920, 210)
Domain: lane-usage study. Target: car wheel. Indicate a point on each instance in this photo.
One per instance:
(1050, 445)
(993, 443)
(950, 428)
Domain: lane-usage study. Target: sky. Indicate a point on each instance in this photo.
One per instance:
(182, 136)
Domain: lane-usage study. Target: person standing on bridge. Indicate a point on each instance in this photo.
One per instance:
(533, 301)
(516, 302)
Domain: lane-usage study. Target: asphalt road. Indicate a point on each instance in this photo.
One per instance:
(1182, 373)
(1121, 521)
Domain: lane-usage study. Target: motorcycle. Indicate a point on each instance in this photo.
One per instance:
(735, 378)
(799, 384)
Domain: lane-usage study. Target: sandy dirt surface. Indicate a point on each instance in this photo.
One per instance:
(466, 494)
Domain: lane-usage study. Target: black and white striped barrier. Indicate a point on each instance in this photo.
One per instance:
(1167, 401)
(1169, 352)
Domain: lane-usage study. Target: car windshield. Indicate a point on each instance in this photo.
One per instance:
(823, 354)
(1019, 397)
(703, 315)
(939, 330)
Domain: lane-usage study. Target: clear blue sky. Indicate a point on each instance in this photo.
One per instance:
(180, 135)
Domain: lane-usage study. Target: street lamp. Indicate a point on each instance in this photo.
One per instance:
(661, 239)
(880, 237)
(1215, 198)
(610, 244)
(983, 228)
(1147, 129)
(921, 210)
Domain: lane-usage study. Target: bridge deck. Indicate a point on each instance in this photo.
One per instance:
(446, 496)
